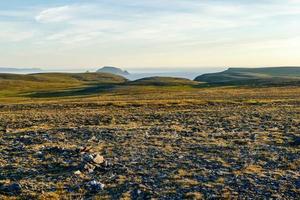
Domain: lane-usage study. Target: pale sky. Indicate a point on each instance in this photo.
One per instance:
(149, 33)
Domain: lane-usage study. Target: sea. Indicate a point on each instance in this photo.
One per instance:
(135, 73)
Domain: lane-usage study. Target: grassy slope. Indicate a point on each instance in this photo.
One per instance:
(16, 88)
(163, 81)
(263, 76)
(17, 85)
(65, 77)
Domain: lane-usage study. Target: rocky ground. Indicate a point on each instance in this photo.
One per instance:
(208, 150)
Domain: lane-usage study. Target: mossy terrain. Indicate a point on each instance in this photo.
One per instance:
(158, 142)
(164, 81)
(14, 88)
(14, 85)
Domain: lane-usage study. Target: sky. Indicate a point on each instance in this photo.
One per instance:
(149, 33)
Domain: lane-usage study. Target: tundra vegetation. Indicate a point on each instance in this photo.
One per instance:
(88, 138)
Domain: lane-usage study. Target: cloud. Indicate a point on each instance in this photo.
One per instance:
(56, 14)
(157, 26)
(158, 21)
(138, 21)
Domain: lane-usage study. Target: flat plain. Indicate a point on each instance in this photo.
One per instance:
(143, 142)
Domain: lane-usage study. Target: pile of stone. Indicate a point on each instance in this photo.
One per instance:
(90, 161)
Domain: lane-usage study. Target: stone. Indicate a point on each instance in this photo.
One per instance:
(98, 159)
(78, 173)
(90, 168)
(95, 186)
(85, 149)
(88, 157)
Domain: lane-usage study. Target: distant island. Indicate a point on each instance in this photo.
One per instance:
(20, 70)
(113, 70)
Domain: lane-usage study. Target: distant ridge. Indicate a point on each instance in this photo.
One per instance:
(113, 70)
(20, 70)
(254, 76)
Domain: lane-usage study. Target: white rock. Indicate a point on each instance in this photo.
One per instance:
(77, 172)
(98, 159)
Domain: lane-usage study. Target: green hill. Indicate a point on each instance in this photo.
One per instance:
(254, 76)
(163, 81)
(65, 77)
(16, 84)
